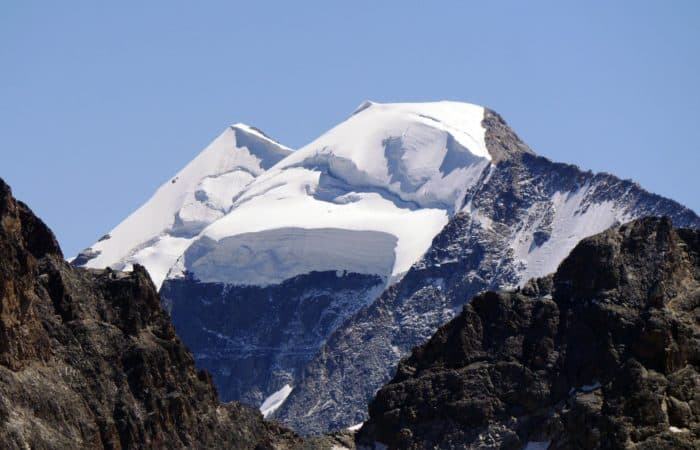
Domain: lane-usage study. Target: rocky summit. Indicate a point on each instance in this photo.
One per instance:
(89, 359)
(603, 354)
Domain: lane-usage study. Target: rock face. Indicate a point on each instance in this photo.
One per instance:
(255, 340)
(518, 222)
(89, 359)
(316, 268)
(605, 353)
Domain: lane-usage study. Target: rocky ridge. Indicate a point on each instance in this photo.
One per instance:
(605, 353)
(89, 358)
(518, 222)
(273, 261)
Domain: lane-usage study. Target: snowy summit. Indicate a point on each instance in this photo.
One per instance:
(369, 194)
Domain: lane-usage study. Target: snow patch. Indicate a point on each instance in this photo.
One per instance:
(571, 221)
(288, 206)
(356, 427)
(274, 401)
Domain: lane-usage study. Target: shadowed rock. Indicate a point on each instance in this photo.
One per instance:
(89, 359)
(603, 354)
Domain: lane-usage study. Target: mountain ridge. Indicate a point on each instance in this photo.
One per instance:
(479, 249)
(89, 358)
(601, 354)
(443, 193)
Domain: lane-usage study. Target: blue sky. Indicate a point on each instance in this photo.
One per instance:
(101, 103)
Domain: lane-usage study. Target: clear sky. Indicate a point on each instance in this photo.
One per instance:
(101, 102)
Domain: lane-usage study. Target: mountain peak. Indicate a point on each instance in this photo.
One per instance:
(481, 130)
(255, 131)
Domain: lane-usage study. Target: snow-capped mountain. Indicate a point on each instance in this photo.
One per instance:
(300, 278)
(366, 197)
(157, 233)
(519, 221)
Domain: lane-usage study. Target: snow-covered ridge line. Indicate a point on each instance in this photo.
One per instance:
(157, 233)
(259, 133)
(400, 168)
(396, 169)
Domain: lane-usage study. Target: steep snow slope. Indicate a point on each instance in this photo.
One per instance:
(274, 273)
(157, 233)
(324, 229)
(395, 169)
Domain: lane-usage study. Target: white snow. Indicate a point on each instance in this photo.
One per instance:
(673, 429)
(157, 233)
(426, 153)
(275, 400)
(396, 169)
(356, 427)
(368, 196)
(278, 208)
(272, 256)
(571, 223)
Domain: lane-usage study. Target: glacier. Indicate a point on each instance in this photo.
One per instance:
(303, 271)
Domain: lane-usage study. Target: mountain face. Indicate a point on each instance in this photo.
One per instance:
(157, 233)
(520, 220)
(330, 263)
(89, 359)
(605, 353)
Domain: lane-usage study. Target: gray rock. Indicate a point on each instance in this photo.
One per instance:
(603, 354)
(473, 253)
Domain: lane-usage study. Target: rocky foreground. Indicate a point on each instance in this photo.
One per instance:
(89, 359)
(603, 354)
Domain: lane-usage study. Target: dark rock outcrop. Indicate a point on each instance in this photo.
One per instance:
(525, 207)
(89, 359)
(254, 340)
(603, 354)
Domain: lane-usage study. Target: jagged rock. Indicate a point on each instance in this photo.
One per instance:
(249, 238)
(605, 353)
(255, 340)
(519, 221)
(89, 359)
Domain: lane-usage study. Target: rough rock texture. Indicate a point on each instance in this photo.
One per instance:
(525, 207)
(254, 340)
(603, 354)
(89, 359)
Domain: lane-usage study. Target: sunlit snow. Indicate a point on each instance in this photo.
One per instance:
(157, 233)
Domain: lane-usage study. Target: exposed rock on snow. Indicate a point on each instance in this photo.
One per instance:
(273, 261)
(520, 220)
(618, 319)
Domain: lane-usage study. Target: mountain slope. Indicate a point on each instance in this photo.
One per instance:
(605, 353)
(394, 172)
(157, 233)
(89, 359)
(519, 221)
(325, 229)
(278, 294)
